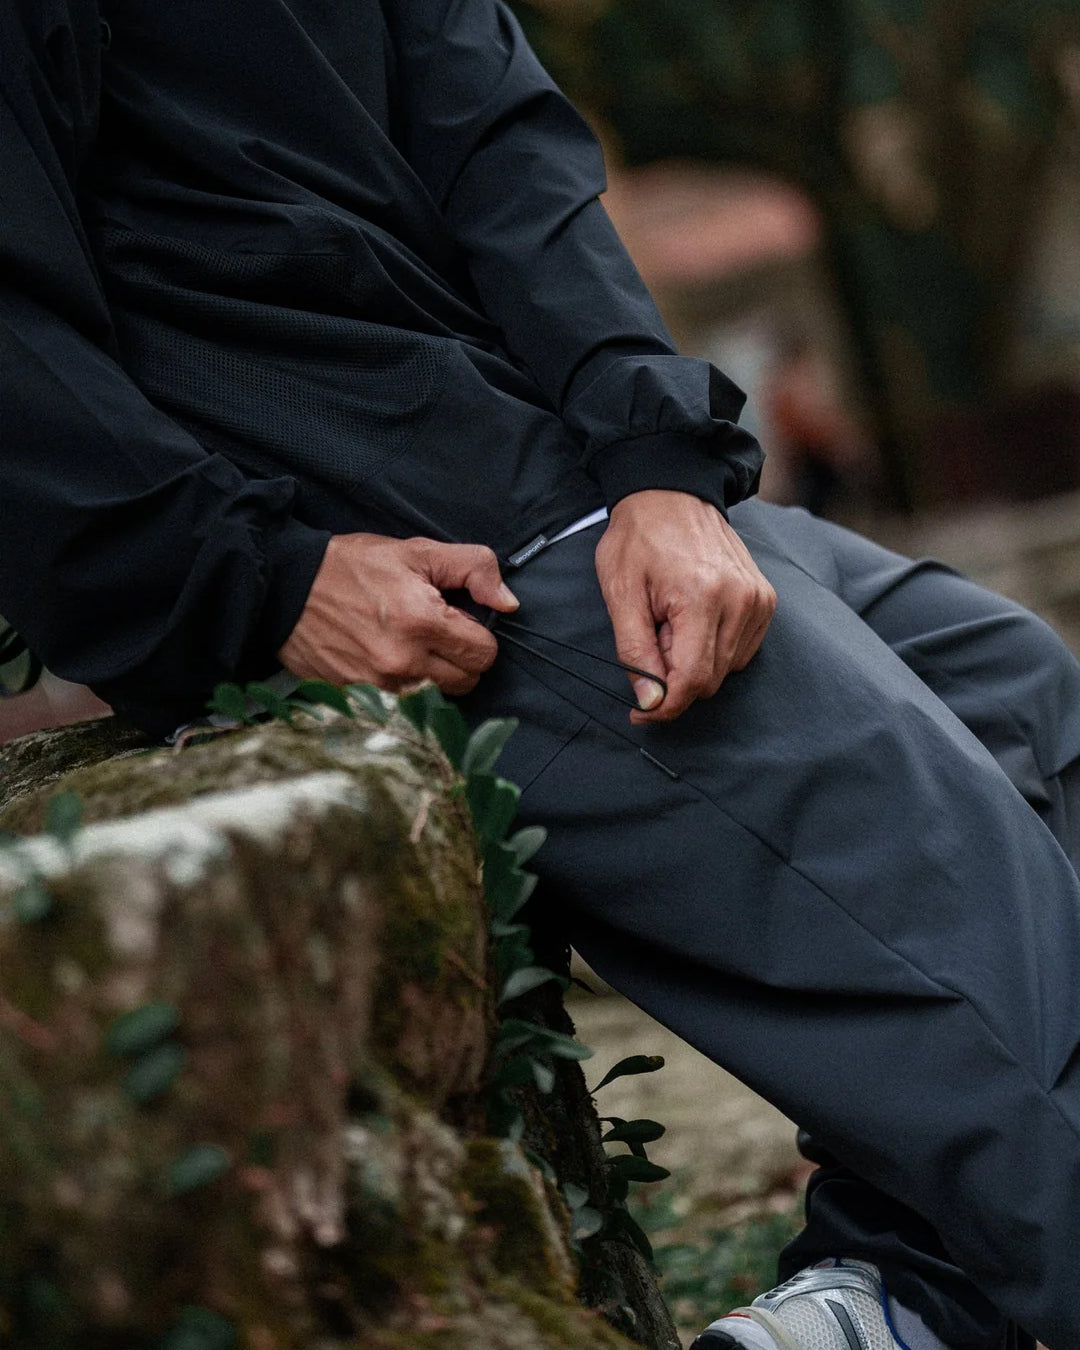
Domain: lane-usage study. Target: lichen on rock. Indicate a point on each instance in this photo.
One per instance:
(242, 1059)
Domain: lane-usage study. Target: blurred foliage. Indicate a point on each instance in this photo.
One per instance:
(702, 1277)
(920, 127)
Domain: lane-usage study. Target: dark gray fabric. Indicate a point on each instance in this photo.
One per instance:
(826, 882)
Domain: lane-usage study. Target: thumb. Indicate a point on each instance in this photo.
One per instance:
(637, 645)
(474, 567)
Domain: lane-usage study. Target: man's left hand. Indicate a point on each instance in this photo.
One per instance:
(685, 597)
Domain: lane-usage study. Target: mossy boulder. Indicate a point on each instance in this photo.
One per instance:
(245, 1017)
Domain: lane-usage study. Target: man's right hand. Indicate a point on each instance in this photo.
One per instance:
(376, 614)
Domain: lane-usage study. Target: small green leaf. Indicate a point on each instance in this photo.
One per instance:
(154, 1072)
(632, 1168)
(586, 1223)
(199, 1329)
(513, 953)
(230, 701)
(140, 1030)
(514, 1033)
(620, 1220)
(493, 803)
(505, 1120)
(543, 1076)
(486, 745)
(33, 901)
(575, 1196)
(506, 886)
(560, 1045)
(197, 1167)
(418, 707)
(524, 981)
(542, 1165)
(451, 731)
(568, 1048)
(526, 842)
(635, 1132)
(266, 698)
(63, 816)
(631, 1065)
(371, 701)
(514, 930)
(322, 692)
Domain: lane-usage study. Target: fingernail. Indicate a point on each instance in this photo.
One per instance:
(507, 596)
(649, 695)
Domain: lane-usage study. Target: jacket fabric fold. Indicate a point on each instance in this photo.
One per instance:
(278, 268)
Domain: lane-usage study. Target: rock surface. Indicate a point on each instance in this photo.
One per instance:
(245, 1017)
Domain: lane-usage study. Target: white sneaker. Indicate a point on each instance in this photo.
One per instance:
(837, 1304)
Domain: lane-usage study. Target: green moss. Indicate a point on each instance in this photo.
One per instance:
(127, 786)
(512, 1208)
(430, 921)
(562, 1324)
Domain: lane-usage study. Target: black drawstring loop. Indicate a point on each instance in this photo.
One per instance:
(502, 624)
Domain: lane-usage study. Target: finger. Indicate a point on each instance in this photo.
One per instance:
(450, 678)
(754, 633)
(459, 639)
(691, 663)
(636, 643)
(472, 566)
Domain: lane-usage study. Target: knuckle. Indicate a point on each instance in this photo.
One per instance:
(631, 652)
(474, 660)
(707, 581)
(483, 557)
(395, 663)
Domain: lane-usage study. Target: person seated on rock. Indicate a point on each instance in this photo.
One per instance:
(318, 350)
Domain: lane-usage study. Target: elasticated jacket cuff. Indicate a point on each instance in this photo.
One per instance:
(294, 555)
(722, 470)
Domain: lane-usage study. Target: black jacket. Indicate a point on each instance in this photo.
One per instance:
(275, 268)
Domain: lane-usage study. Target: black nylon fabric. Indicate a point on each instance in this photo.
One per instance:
(271, 268)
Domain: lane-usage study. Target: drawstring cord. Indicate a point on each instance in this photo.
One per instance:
(502, 624)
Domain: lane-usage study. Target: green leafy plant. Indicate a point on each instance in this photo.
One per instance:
(727, 1267)
(254, 702)
(634, 1166)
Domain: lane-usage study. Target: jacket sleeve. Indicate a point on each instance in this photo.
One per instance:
(130, 559)
(516, 174)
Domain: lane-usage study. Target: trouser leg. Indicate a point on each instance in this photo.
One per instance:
(824, 881)
(1013, 683)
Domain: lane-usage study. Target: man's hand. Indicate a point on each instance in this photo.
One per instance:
(376, 615)
(686, 599)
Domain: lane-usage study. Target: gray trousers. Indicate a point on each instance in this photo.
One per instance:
(847, 879)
